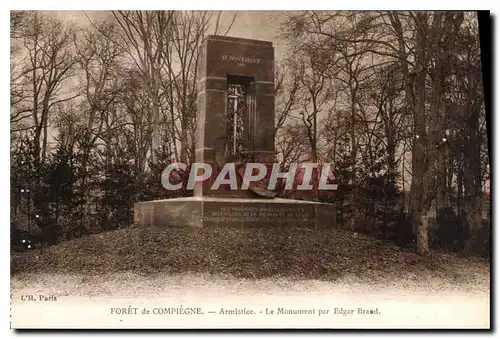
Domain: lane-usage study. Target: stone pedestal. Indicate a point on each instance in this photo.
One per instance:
(231, 212)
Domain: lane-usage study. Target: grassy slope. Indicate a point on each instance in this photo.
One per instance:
(246, 253)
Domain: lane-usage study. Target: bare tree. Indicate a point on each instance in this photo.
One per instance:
(421, 46)
(292, 143)
(180, 66)
(99, 59)
(145, 37)
(287, 85)
(48, 63)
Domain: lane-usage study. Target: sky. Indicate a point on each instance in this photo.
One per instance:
(260, 25)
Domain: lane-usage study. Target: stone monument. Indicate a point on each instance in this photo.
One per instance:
(235, 123)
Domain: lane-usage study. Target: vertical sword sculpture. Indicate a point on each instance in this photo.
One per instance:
(222, 154)
(235, 98)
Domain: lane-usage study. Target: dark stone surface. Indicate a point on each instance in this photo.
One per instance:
(227, 55)
(231, 212)
(182, 212)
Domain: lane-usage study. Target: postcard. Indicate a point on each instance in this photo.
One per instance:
(249, 170)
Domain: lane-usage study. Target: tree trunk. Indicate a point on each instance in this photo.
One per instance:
(353, 195)
(460, 190)
(422, 236)
(184, 143)
(156, 122)
(420, 158)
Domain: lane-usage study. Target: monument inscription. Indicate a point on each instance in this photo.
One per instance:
(242, 61)
(264, 214)
(259, 214)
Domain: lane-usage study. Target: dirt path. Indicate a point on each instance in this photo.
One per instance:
(84, 301)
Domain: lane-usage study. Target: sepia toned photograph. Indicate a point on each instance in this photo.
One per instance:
(250, 169)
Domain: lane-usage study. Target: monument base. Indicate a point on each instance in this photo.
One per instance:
(213, 212)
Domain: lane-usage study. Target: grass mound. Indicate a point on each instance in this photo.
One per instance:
(246, 253)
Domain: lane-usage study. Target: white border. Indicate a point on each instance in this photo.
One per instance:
(254, 5)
